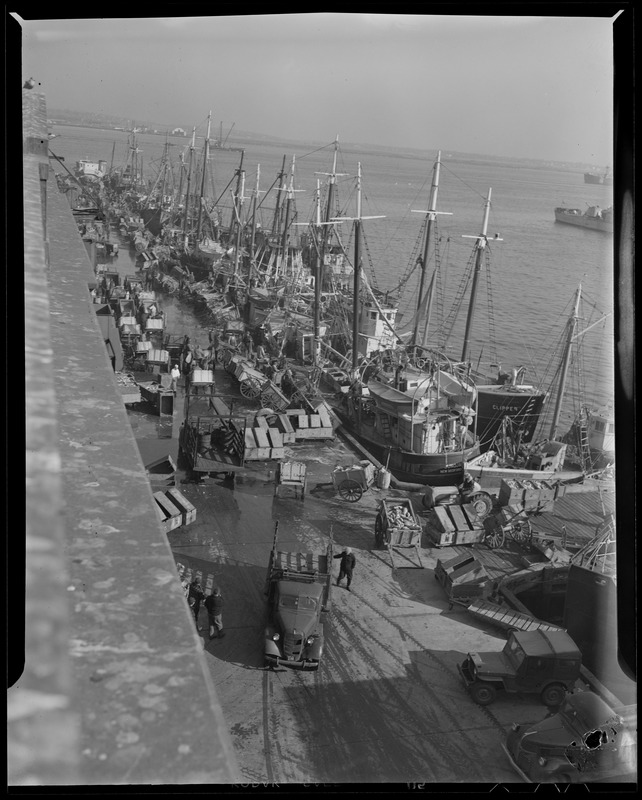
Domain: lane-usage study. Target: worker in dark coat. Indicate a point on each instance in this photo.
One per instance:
(195, 598)
(214, 604)
(346, 566)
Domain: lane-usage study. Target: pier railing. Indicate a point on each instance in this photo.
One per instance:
(115, 688)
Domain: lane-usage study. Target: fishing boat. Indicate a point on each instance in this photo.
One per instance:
(499, 396)
(94, 169)
(420, 425)
(603, 179)
(508, 396)
(585, 449)
(594, 218)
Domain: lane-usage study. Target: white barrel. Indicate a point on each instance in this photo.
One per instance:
(383, 478)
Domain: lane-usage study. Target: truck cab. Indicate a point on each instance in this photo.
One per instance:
(542, 662)
(585, 741)
(298, 588)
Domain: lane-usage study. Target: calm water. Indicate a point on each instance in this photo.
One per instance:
(535, 269)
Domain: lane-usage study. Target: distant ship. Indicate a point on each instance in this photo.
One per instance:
(594, 217)
(594, 177)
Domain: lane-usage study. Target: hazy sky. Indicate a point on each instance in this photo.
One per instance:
(533, 87)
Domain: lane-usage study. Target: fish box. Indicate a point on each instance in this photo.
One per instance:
(126, 320)
(154, 325)
(158, 356)
(511, 492)
(143, 347)
(202, 376)
(187, 510)
(169, 515)
(462, 577)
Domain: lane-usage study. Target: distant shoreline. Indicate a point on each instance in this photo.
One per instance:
(360, 147)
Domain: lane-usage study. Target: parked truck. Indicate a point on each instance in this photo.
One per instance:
(586, 741)
(298, 588)
(545, 662)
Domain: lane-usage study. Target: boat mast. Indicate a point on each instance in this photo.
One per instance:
(286, 220)
(425, 301)
(332, 179)
(482, 241)
(189, 181)
(277, 205)
(203, 174)
(255, 200)
(238, 210)
(570, 336)
(240, 176)
(357, 269)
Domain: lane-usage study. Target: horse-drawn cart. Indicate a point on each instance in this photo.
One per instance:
(397, 526)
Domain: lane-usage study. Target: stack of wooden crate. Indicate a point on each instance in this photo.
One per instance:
(311, 426)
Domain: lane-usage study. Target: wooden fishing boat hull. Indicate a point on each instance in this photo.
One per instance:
(495, 402)
(432, 469)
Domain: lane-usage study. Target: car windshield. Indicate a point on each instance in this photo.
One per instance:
(515, 653)
(295, 601)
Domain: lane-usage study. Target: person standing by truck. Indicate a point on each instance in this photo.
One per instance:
(214, 604)
(347, 564)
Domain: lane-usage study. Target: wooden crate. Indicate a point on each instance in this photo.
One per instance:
(170, 516)
(511, 492)
(188, 512)
(157, 356)
(451, 525)
(462, 577)
(285, 426)
(202, 377)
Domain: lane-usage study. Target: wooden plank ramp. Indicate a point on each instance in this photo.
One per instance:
(508, 618)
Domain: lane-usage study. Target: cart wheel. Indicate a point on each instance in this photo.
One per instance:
(250, 388)
(265, 399)
(481, 502)
(297, 397)
(520, 531)
(378, 532)
(350, 491)
(495, 538)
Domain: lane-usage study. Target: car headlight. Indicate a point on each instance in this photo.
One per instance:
(276, 637)
(309, 640)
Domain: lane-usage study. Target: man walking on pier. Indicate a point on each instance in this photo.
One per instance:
(176, 374)
(347, 565)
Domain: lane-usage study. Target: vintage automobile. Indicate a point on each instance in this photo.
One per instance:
(545, 662)
(298, 588)
(586, 741)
